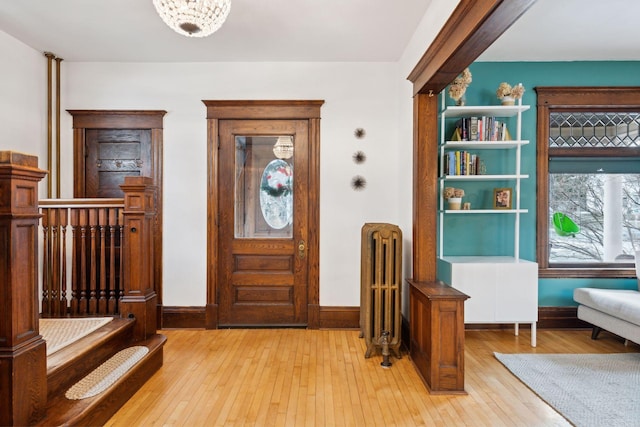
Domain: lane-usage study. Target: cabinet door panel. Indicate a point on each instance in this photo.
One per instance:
(517, 292)
(479, 282)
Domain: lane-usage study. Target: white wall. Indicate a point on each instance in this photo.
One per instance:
(374, 96)
(23, 101)
(429, 27)
(355, 94)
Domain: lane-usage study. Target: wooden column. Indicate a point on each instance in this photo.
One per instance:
(140, 299)
(23, 360)
(425, 186)
(437, 336)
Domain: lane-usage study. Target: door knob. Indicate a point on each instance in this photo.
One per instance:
(301, 248)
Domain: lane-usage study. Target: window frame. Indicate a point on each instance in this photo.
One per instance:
(574, 99)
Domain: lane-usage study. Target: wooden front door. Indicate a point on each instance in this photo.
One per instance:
(263, 228)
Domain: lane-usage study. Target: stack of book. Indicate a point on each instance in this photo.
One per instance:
(482, 128)
(461, 163)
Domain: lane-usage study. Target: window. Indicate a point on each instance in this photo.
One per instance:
(588, 213)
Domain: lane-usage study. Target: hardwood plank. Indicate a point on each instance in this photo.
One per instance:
(281, 377)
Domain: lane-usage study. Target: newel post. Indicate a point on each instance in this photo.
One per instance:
(140, 299)
(23, 359)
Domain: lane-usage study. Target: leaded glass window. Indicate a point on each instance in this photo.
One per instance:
(589, 197)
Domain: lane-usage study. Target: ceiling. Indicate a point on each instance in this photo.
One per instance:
(310, 30)
(571, 30)
(256, 30)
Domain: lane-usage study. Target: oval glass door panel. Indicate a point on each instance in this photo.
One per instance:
(263, 187)
(276, 194)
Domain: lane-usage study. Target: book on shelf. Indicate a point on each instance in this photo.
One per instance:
(481, 128)
(461, 163)
(473, 128)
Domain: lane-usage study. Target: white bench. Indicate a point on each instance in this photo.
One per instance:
(614, 310)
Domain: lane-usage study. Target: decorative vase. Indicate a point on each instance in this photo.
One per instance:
(454, 203)
(461, 102)
(508, 100)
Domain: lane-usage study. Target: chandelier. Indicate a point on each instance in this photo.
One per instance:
(283, 148)
(193, 18)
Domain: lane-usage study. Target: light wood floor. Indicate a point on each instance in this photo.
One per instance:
(293, 377)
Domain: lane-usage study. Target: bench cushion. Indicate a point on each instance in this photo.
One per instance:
(621, 303)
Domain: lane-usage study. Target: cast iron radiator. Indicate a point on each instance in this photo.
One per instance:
(381, 283)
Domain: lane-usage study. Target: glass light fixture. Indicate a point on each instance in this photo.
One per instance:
(283, 149)
(193, 18)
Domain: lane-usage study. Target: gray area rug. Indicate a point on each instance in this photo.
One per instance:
(586, 389)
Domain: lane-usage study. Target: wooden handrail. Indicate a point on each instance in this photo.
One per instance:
(85, 203)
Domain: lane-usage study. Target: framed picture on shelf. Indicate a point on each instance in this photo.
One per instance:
(502, 198)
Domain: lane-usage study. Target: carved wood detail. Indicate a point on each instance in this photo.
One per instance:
(23, 363)
(84, 120)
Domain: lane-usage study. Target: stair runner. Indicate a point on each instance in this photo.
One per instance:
(107, 374)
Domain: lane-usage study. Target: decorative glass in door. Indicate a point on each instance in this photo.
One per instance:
(263, 187)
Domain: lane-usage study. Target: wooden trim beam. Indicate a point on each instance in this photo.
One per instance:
(472, 27)
(263, 109)
(117, 119)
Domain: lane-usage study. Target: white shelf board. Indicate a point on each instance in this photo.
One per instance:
(484, 260)
(482, 177)
(484, 145)
(484, 110)
(485, 211)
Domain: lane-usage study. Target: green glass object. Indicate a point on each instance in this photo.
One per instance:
(564, 225)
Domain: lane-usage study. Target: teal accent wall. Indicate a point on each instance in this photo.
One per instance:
(493, 234)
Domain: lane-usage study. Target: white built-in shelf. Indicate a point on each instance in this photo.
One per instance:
(503, 289)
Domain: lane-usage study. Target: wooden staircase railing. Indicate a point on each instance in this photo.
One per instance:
(23, 360)
(81, 256)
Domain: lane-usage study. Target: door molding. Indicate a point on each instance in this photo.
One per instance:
(263, 109)
(124, 119)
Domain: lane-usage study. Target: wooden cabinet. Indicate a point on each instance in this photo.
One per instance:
(437, 335)
(502, 289)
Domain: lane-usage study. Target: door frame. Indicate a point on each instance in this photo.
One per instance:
(125, 119)
(263, 110)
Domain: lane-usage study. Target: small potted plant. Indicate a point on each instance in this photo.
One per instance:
(454, 197)
(508, 94)
(459, 86)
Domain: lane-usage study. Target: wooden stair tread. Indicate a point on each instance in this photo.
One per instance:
(98, 409)
(84, 345)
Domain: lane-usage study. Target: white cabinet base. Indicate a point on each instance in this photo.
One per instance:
(501, 289)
